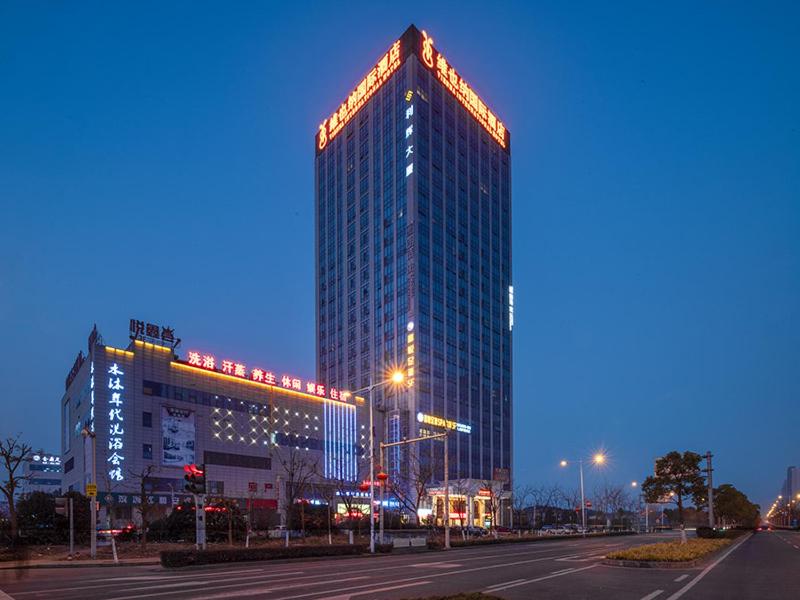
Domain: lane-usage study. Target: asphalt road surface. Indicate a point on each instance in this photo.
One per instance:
(758, 567)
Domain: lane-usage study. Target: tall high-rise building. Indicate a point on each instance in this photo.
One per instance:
(413, 258)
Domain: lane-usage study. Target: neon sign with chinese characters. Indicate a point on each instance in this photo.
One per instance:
(443, 423)
(232, 368)
(449, 78)
(116, 426)
(371, 83)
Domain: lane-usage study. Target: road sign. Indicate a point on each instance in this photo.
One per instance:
(91, 490)
(588, 504)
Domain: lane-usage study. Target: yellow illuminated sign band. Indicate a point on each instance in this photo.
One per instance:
(449, 78)
(443, 423)
(371, 83)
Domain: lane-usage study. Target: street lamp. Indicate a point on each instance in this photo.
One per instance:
(86, 432)
(397, 377)
(598, 459)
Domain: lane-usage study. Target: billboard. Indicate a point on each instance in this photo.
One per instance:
(177, 433)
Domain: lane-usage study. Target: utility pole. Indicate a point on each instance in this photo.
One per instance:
(71, 528)
(709, 470)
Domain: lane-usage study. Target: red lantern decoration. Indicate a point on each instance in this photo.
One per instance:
(364, 487)
(382, 476)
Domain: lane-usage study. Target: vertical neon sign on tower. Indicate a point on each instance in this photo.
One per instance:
(116, 427)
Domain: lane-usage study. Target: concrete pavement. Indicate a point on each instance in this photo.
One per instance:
(555, 569)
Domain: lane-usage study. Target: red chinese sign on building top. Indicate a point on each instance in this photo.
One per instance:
(258, 375)
(447, 76)
(371, 83)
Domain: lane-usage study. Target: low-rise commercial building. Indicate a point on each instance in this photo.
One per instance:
(152, 410)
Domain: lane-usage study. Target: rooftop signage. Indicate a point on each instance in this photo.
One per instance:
(208, 362)
(460, 89)
(371, 83)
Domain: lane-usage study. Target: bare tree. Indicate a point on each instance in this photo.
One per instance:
(143, 478)
(542, 496)
(13, 453)
(411, 487)
(494, 489)
(300, 471)
(519, 502)
(327, 490)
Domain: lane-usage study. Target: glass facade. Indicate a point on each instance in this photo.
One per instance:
(413, 224)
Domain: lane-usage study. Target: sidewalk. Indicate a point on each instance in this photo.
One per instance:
(59, 564)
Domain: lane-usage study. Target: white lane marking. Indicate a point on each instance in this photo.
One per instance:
(163, 579)
(258, 590)
(652, 595)
(795, 547)
(4, 596)
(681, 578)
(707, 570)
(436, 565)
(500, 585)
(562, 571)
(551, 576)
(376, 590)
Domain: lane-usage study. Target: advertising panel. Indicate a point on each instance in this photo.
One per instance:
(177, 432)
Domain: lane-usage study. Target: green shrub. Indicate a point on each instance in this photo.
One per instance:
(185, 558)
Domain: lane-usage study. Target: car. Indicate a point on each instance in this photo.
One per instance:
(764, 527)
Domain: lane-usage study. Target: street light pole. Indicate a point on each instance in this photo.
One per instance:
(87, 433)
(583, 500)
(371, 474)
(397, 378)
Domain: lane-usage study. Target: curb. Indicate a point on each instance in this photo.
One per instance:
(77, 565)
(654, 564)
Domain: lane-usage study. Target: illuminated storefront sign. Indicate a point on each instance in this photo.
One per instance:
(371, 83)
(449, 78)
(231, 368)
(47, 460)
(116, 426)
(444, 423)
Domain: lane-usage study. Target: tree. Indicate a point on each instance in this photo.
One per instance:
(328, 492)
(12, 454)
(411, 487)
(677, 477)
(493, 489)
(733, 507)
(144, 508)
(519, 502)
(543, 497)
(299, 470)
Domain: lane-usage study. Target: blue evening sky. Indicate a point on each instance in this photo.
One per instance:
(156, 161)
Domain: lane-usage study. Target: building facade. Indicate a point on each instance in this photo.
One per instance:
(413, 260)
(41, 472)
(151, 409)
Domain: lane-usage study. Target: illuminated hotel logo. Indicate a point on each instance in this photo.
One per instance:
(448, 77)
(371, 83)
(208, 362)
(444, 423)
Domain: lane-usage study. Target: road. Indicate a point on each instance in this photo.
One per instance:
(763, 566)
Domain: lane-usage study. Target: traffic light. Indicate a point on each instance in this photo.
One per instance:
(62, 507)
(195, 479)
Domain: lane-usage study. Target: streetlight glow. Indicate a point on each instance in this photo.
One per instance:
(599, 458)
(634, 483)
(563, 463)
(398, 376)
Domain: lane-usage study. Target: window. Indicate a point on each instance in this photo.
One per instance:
(147, 451)
(147, 419)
